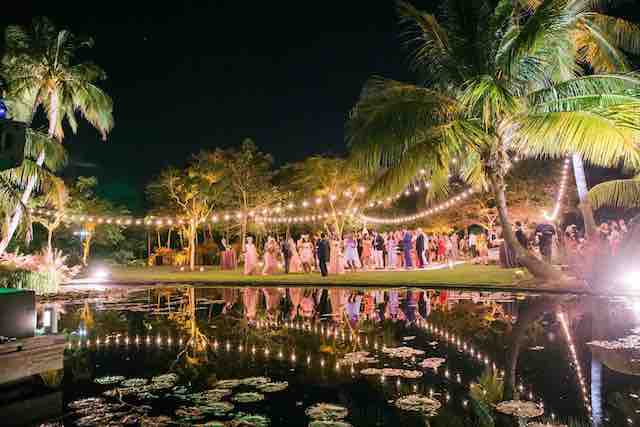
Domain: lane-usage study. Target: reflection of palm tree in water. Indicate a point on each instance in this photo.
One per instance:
(197, 345)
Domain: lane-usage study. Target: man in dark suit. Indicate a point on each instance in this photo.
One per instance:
(420, 248)
(323, 253)
(286, 254)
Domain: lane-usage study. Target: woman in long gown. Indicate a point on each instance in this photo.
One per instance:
(391, 251)
(270, 256)
(250, 257)
(295, 263)
(367, 252)
(250, 300)
(306, 255)
(351, 253)
(336, 264)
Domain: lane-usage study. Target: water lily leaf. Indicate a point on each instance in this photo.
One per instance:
(327, 412)
(249, 420)
(134, 382)
(273, 387)
(109, 380)
(418, 403)
(520, 408)
(248, 397)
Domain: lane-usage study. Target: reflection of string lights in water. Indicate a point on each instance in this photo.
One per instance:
(576, 362)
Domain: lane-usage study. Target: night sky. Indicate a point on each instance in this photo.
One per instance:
(206, 74)
(210, 73)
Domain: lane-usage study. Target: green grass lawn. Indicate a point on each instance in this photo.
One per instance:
(462, 275)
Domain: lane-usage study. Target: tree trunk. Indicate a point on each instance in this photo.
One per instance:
(590, 227)
(49, 243)
(529, 313)
(192, 244)
(169, 238)
(86, 247)
(535, 266)
(159, 241)
(16, 217)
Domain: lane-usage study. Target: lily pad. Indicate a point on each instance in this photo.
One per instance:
(320, 423)
(432, 362)
(248, 397)
(326, 412)
(418, 403)
(165, 378)
(134, 382)
(231, 383)
(273, 387)
(402, 352)
(520, 408)
(249, 420)
(255, 381)
(109, 380)
(86, 403)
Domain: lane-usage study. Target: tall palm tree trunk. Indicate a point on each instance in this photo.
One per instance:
(536, 267)
(16, 217)
(583, 191)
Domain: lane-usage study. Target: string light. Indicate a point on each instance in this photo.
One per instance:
(576, 363)
(423, 214)
(561, 192)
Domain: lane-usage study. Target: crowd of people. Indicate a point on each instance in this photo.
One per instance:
(366, 250)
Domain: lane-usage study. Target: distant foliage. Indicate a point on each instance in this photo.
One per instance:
(40, 272)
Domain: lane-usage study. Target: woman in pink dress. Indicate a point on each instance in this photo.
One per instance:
(270, 256)
(336, 263)
(250, 301)
(367, 252)
(295, 263)
(250, 257)
(295, 294)
(306, 254)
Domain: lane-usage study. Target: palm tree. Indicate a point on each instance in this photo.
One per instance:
(601, 41)
(40, 71)
(497, 82)
(619, 193)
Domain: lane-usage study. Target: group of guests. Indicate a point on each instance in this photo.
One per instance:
(366, 250)
(610, 235)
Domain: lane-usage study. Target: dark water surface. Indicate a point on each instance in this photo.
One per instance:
(493, 347)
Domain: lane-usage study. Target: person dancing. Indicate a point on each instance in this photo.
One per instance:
(351, 253)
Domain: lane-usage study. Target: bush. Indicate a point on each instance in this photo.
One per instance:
(41, 283)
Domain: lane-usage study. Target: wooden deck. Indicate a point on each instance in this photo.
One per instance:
(30, 356)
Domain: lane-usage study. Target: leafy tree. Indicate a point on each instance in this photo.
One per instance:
(55, 201)
(335, 181)
(247, 180)
(498, 82)
(83, 201)
(40, 70)
(192, 193)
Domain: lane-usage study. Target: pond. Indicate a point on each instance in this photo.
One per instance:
(185, 355)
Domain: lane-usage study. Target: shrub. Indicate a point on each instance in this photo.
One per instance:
(41, 272)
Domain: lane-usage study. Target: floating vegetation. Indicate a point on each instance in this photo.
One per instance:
(273, 387)
(545, 425)
(327, 412)
(418, 403)
(86, 403)
(255, 381)
(134, 382)
(410, 338)
(209, 396)
(392, 372)
(109, 380)
(192, 413)
(321, 423)
(249, 420)
(232, 383)
(248, 397)
(432, 362)
(520, 408)
(358, 357)
(219, 408)
(402, 352)
(165, 378)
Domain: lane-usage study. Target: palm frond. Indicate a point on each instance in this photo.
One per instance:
(606, 137)
(622, 193)
(624, 34)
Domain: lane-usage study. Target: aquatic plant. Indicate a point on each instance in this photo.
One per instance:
(134, 382)
(273, 387)
(327, 412)
(520, 408)
(248, 397)
(109, 380)
(432, 362)
(418, 403)
(242, 419)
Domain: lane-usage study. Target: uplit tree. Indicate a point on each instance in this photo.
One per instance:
(55, 201)
(192, 193)
(247, 181)
(498, 82)
(41, 72)
(333, 182)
